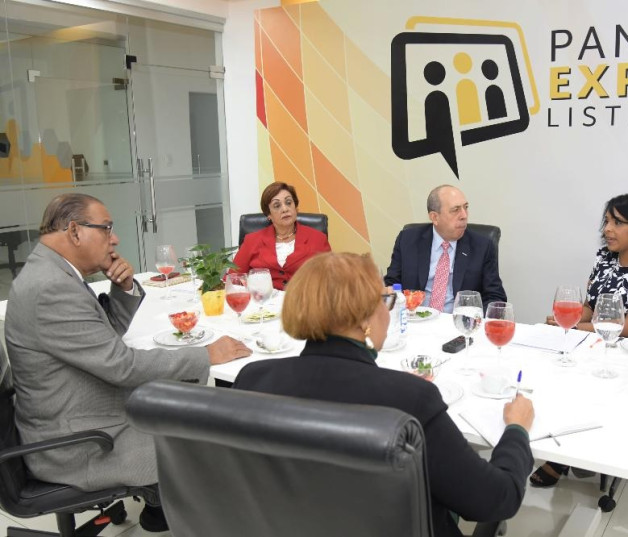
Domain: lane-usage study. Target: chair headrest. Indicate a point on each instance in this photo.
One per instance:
(493, 233)
(359, 436)
(256, 221)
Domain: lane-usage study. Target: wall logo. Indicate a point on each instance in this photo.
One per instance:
(456, 89)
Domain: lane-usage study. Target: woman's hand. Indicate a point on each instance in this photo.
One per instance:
(550, 320)
(519, 412)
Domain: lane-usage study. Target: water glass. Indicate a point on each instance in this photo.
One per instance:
(467, 315)
(188, 262)
(261, 288)
(608, 322)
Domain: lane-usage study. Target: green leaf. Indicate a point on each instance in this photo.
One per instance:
(211, 266)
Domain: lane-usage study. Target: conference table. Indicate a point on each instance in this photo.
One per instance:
(561, 395)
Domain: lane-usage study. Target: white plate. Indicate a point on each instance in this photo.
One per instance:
(168, 338)
(285, 346)
(450, 391)
(624, 344)
(508, 393)
(413, 317)
(400, 345)
(254, 318)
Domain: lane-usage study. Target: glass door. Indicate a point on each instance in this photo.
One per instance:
(86, 95)
(64, 116)
(174, 110)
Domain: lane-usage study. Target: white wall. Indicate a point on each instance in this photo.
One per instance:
(549, 220)
(240, 109)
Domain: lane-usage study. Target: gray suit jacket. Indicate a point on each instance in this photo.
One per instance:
(73, 372)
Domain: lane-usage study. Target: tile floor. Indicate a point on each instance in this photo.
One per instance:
(543, 513)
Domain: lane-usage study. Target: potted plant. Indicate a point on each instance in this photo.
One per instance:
(210, 267)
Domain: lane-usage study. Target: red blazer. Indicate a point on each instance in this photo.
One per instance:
(259, 251)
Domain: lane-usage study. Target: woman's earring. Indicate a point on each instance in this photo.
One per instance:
(367, 340)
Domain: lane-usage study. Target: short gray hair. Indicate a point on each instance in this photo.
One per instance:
(64, 209)
(433, 199)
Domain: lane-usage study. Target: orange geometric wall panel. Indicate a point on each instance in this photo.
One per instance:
(38, 166)
(303, 105)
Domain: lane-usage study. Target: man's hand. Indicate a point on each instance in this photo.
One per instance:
(520, 412)
(120, 272)
(225, 349)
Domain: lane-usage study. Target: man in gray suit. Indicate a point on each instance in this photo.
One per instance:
(72, 371)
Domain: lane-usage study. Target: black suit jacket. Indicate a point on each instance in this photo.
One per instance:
(475, 265)
(460, 480)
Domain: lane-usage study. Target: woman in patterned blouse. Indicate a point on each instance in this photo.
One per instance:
(610, 272)
(609, 275)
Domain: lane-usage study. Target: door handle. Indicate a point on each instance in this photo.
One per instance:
(140, 174)
(153, 199)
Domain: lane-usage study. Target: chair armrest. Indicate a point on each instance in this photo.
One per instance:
(102, 439)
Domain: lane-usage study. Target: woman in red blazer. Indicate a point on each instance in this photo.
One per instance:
(285, 245)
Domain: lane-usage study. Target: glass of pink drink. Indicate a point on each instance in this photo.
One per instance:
(237, 293)
(499, 324)
(165, 261)
(567, 311)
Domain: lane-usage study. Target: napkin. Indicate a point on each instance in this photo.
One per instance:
(171, 281)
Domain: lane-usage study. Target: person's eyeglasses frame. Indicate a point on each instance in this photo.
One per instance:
(389, 300)
(108, 228)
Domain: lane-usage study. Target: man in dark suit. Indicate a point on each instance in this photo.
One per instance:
(467, 260)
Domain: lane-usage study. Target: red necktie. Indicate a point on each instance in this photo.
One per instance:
(441, 277)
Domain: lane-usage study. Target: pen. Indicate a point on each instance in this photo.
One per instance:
(518, 384)
(595, 342)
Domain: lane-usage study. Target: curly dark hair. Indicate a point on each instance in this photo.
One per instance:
(617, 206)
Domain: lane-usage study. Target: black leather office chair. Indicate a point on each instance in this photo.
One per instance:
(607, 502)
(256, 221)
(23, 496)
(492, 232)
(248, 463)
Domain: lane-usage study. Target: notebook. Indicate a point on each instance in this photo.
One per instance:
(488, 422)
(548, 338)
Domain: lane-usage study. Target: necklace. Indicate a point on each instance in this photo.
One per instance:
(286, 236)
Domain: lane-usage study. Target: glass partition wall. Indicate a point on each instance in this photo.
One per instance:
(119, 107)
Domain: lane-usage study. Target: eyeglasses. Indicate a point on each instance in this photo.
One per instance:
(389, 299)
(107, 227)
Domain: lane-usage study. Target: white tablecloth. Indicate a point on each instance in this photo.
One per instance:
(560, 394)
